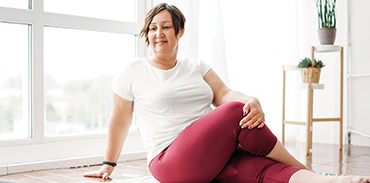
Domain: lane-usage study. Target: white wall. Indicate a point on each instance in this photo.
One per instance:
(359, 64)
(258, 42)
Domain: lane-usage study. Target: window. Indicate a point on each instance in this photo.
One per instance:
(14, 76)
(108, 9)
(79, 66)
(23, 4)
(57, 61)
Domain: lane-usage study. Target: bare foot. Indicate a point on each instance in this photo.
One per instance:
(360, 179)
(306, 176)
(354, 179)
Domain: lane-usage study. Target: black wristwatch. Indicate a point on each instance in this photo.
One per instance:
(109, 163)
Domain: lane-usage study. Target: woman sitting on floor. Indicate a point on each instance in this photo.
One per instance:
(185, 140)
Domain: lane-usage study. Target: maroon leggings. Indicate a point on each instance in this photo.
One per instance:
(216, 149)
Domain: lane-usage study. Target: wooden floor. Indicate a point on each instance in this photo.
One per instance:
(353, 160)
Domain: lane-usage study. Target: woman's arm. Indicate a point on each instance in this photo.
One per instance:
(253, 112)
(119, 124)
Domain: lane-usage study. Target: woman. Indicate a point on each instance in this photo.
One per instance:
(185, 139)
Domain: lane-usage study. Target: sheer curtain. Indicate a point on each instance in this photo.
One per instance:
(246, 42)
(261, 36)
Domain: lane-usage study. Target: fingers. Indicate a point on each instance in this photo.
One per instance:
(254, 117)
(98, 174)
(252, 123)
(246, 109)
(105, 176)
(262, 124)
(104, 172)
(92, 174)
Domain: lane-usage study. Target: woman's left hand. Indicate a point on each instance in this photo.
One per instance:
(253, 115)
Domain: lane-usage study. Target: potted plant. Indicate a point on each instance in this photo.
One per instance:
(326, 21)
(310, 70)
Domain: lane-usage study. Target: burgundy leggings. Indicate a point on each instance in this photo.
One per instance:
(216, 149)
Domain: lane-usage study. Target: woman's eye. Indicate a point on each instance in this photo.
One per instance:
(166, 27)
(152, 29)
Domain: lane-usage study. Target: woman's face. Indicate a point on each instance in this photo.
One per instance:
(161, 33)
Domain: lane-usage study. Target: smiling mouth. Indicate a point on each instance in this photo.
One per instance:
(161, 42)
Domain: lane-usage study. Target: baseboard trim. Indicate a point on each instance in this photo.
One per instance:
(65, 163)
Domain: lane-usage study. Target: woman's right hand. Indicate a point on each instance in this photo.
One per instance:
(104, 172)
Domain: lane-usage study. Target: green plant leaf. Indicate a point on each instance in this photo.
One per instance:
(306, 62)
(326, 13)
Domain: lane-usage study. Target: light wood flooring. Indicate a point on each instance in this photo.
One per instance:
(353, 160)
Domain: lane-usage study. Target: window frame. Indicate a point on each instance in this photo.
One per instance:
(38, 19)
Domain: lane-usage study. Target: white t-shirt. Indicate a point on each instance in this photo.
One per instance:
(165, 101)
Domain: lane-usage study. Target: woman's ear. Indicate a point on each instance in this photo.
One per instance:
(182, 32)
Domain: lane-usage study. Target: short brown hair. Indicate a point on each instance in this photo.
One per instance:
(178, 19)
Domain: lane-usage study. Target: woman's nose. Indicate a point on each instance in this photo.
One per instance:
(159, 33)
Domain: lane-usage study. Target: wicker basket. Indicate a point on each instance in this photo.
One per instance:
(310, 74)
